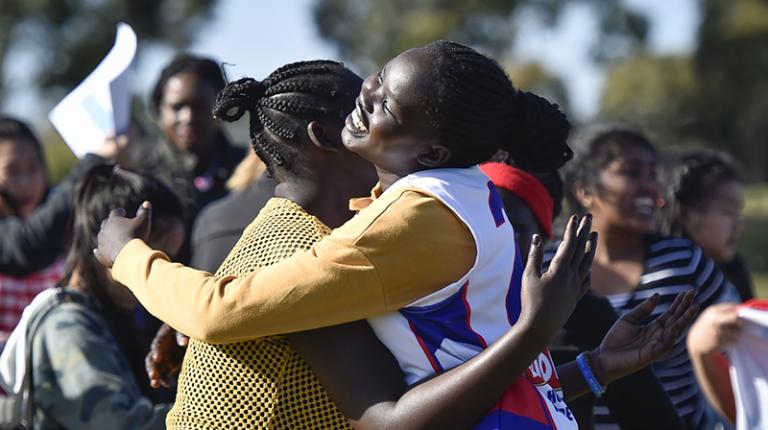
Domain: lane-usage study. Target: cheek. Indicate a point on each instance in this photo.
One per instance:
(39, 182)
(712, 231)
(166, 121)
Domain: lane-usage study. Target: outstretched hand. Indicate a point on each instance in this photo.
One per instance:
(117, 230)
(630, 345)
(549, 298)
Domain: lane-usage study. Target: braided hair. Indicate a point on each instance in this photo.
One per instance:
(477, 111)
(284, 103)
(595, 147)
(204, 68)
(692, 179)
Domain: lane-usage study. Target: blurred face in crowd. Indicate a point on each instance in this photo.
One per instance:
(185, 113)
(22, 175)
(627, 191)
(716, 225)
(167, 236)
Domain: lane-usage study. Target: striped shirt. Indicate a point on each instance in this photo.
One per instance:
(672, 266)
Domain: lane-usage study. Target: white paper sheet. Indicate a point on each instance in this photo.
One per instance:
(101, 105)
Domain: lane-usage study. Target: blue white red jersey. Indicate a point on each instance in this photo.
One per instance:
(453, 324)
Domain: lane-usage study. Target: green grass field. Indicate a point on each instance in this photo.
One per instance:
(754, 239)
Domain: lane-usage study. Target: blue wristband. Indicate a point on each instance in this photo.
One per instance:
(589, 377)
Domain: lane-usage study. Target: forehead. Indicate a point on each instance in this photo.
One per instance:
(13, 149)
(729, 192)
(187, 85)
(624, 152)
(408, 77)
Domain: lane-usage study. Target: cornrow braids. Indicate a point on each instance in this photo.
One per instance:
(282, 105)
(478, 111)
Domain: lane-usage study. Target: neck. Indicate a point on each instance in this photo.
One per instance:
(74, 281)
(206, 156)
(325, 196)
(618, 243)
(386, 179)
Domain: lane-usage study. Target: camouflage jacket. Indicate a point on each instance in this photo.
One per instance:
(80, 378)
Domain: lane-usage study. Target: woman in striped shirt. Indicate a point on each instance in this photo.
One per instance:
(613, 176)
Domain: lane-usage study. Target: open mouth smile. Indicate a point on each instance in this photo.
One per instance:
(356, 121)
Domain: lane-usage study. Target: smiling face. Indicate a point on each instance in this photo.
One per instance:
(185, 113)
(22, 175)
(627, 190)
(716, 226)
(390, 126)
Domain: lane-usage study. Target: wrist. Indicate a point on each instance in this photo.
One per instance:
(587, 368)
(532, 332)
(599, 368)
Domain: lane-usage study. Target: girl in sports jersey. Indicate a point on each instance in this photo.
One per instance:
(613, 176)
(430, 259)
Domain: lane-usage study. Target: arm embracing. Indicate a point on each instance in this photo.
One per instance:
(303, 292)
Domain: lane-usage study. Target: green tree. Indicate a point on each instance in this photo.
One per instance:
(369, 32)
(716, 97)
(656, 93)
(68, 38)
(534, 77)
(731, 66)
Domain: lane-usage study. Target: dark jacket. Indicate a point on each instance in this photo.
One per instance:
(220, 225)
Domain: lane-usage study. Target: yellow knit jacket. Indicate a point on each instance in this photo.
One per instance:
(264, 383)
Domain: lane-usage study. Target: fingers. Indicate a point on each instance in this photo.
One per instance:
(143, 220)
(676, 319)
(640, 312)
(589, 257)
(144, 211)
(535, 257)
(566, 247)
(674, 310)
(678, 327)
(582, 240)
(151, 364)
